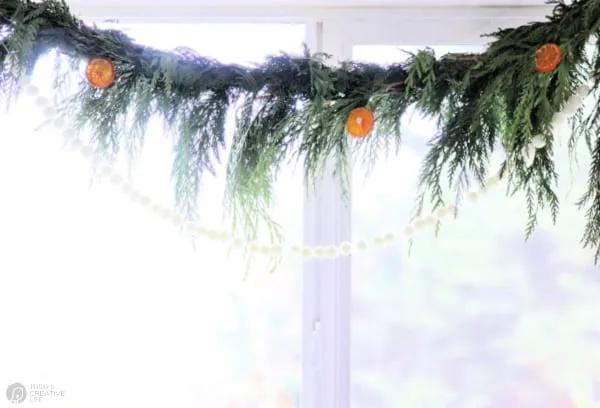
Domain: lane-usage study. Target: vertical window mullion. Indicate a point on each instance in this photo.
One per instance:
(326, 282)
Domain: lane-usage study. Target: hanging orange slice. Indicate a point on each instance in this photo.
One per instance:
(547, 57)
(360, 122)
(100, 72)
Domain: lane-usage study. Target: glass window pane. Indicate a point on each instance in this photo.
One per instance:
(475, 317)
(108, 302)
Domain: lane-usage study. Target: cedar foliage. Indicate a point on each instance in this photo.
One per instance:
(294, 108)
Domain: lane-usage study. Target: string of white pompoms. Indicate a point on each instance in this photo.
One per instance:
(197, 229)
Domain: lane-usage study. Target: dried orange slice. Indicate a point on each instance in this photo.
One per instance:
(360, 122)
(547, 57)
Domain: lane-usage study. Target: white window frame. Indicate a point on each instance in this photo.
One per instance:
(327, 219)
(327, 367)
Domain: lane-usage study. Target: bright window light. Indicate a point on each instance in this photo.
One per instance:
(474, 317)
(109, 303)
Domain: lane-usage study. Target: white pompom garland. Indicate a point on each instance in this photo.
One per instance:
(539, 141)
(195, 229)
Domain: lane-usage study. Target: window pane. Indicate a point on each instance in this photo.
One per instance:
(107, 301)
(474, 317)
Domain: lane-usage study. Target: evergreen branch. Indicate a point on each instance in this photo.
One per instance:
(590, 200)
(294, 108)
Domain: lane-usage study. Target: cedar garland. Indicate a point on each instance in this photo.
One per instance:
(294, 108)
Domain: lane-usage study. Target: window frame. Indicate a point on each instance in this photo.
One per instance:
(261, 12)
(326, 308)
